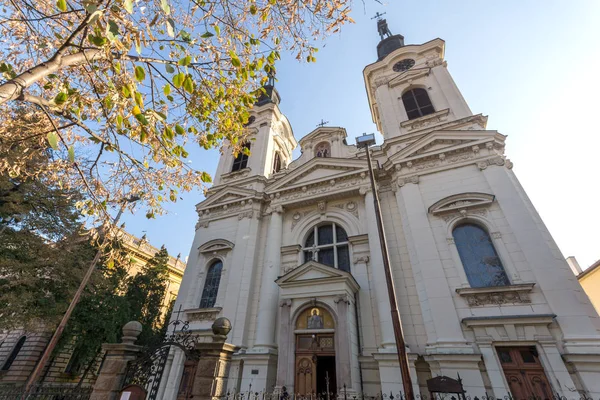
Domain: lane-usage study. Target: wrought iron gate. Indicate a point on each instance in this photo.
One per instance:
(147, 370)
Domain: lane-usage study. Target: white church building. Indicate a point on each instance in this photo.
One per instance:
(288, 250)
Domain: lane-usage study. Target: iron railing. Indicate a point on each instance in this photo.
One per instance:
(46, 392)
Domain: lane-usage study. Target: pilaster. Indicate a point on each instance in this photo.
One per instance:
(376, 264)
(269, 291)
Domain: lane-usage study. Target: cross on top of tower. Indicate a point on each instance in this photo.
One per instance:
(382, 26)
(378, 15)
(322, 123)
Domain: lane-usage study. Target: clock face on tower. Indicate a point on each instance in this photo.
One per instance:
(403, 65)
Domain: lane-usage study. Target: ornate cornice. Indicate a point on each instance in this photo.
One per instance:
(497, 296)
(426, 121)
(318, 190)
(203, 314)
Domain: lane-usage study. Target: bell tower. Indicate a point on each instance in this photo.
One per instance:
(409, 86)
(270, 142)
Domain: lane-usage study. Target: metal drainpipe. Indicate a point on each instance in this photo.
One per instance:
(362, 389)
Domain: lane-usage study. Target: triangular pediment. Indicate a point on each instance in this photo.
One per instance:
(445, 141)
(319, 169)
(226, 196)
(314, 273)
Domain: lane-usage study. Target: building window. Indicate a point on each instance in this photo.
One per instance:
(241, 161)
(277, 162)
(323, 150)
(211, 285)
(328, 244)
(417, 103)
(74, 365)
(13, 354)
(479, 258)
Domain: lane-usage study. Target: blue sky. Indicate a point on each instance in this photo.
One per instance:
(531, 66)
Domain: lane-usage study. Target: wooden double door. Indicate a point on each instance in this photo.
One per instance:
(315, 365)
(524, 373)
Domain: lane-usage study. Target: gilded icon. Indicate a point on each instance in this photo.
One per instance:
(315, 320)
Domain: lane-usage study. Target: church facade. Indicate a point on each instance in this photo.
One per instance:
(289, 251)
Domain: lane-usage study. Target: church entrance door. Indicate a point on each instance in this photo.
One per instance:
(524, 373)
(315, 365)
(315, 373)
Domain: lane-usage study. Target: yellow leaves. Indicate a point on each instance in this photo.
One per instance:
(205, 177)
(128, 5)
(171, 27)
(71, 154)
(61, 5)
(140, 73)
(164, 4)
(52, 140)
(188, 84)
(136, 111)
(178, 80)
(185, 61)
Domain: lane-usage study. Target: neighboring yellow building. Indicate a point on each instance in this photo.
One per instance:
(141, 251)
(589, 280)
(20, 350)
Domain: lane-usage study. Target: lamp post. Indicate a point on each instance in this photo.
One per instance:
(365, 141)
(63, 323)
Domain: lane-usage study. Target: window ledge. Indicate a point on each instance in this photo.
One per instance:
(498, 295)
(236, 174)
(203, 314)
(422, 122)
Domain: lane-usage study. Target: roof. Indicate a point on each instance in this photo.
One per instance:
(588, 271)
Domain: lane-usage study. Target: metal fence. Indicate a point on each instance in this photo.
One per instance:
(342, 394)
(54, 392)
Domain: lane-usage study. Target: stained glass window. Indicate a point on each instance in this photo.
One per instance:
(328, 244)
(211, 285)
(479, 258)
(417, 103)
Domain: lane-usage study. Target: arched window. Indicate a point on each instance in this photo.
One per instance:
(277, 162)
(211, 285)
(241, 161)
(328, 244)
(323, 149)
(14, 353)
(478, 255)
(417, 103)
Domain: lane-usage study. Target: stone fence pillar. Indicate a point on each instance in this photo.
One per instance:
(117, 355)
(212, 372)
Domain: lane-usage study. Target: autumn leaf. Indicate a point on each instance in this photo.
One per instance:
(178, 80)
(140, 74)
(53, 140)
(61, 5)
(128, 4)
(71, 154)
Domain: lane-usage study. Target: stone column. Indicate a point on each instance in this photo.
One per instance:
(442, 324)
(269, 291)
(110, 380)
(284, 376)
(381, 294)
(212, 372)
(342, 352)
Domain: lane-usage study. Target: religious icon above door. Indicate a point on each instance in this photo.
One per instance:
(315, 318)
